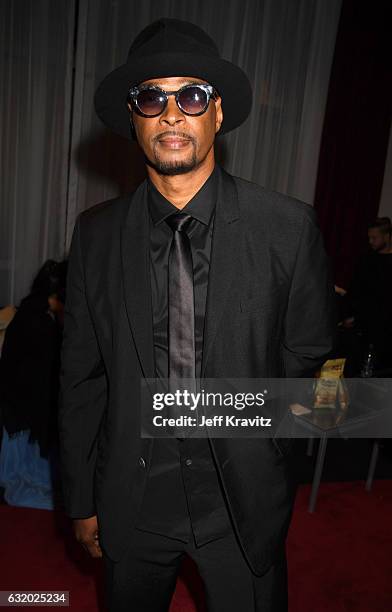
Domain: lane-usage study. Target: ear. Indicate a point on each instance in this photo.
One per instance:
(133, 131)
(218, 114)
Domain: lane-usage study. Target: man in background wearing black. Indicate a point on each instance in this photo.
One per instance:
(370, 294)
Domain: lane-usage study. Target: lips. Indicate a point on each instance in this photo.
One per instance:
(173, 140)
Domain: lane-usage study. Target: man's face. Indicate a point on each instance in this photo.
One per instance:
(378, 240)
(173, 142)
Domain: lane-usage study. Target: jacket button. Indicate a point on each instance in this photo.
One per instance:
(142, 463)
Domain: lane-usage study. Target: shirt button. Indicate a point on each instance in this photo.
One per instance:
(142, 463)
(188, 462)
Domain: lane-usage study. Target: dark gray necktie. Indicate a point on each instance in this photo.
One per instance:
(181, 312)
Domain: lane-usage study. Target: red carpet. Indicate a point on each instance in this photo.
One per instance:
(340, 558)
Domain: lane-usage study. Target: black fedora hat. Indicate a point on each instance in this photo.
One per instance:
(173, 48)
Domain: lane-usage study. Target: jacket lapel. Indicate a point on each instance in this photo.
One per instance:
(224, 259)
(136, 274)
(136, 278)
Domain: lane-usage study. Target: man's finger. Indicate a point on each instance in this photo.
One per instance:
(93, 548)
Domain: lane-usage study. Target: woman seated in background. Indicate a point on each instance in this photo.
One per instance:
(29, 374)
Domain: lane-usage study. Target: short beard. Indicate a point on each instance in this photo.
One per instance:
(174, 167)
(380, 248)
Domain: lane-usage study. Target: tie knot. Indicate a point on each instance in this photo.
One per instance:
(179, 221)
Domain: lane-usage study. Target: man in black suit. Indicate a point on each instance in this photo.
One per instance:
(196, 274)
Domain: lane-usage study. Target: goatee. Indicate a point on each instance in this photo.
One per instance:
(171, 168)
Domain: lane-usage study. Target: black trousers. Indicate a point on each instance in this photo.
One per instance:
(144, 579)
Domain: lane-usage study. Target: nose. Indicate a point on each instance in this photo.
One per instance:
(172, 115)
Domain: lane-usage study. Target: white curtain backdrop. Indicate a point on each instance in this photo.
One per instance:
(285, 46)
(36, 46)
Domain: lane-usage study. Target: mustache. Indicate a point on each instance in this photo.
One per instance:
(173, 134)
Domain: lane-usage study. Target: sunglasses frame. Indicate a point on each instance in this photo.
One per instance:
(134, 91)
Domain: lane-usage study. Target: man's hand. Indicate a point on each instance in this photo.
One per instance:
(86, 533)
(340, 290)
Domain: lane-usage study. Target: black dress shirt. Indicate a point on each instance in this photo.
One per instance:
(183, 494)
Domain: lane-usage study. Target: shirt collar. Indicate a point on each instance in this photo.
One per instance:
(201, 206)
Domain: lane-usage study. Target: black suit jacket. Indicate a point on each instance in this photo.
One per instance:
(269, 313)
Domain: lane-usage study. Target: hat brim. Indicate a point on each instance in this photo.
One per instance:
(228, 79)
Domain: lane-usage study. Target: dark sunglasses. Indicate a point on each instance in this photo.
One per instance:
(151, 100)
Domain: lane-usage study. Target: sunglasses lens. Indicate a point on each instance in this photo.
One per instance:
(193, 100)
(151, 102)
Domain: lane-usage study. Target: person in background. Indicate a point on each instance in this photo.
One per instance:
(379, 235)
(370, 294)
(7, 313)
(29, 384)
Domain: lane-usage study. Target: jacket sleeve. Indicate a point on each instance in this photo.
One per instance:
(82, 392)
(310, 328)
